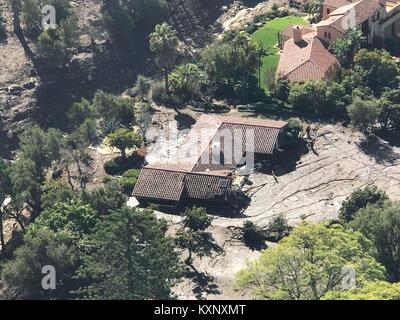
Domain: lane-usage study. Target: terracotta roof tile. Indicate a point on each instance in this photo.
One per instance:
(306, 60)
(363, 10)
(161, 184)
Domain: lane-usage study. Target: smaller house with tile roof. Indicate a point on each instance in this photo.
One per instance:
(305, 57)
(204, 170)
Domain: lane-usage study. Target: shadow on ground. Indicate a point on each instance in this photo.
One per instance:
(379, 149)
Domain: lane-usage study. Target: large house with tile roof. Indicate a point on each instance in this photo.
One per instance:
(206, 164)
(304, 49)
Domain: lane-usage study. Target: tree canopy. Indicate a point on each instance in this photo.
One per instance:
(310, 262)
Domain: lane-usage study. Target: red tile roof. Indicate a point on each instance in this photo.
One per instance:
(362, 10)
(337, 3)
(190, 179)
(170, 185)
(306, 60)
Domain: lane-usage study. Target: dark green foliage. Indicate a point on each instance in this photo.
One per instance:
(363, 114)
(192, 236)
(231, 67)
(124, 139)
(23, 274)
(380, 70)
(278, 228)
(129, 258)
(196, 219)
(142, 87)
(253, 236)
(316, 96)
(381, 224)
(389, 116)
(105, 199)
(291, 134)
(360, 199)
(188, 82)
(128, 180)
(128, 19)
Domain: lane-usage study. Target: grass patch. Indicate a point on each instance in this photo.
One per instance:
(267, 36)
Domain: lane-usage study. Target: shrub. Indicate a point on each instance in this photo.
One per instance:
(112, 167)
(142, 87)
(291, 135)
(278, 228)
(363, 114)
(359, 199)
(128, 180)
(253, 236)
(160, 97)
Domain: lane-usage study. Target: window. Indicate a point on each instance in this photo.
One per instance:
(328, 11)
(326, 34)
(329, 36)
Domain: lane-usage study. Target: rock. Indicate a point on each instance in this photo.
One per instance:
(14, 89)
(29, 85)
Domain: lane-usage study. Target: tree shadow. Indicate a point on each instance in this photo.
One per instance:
(379, 149)
(184, 120)
(285, 161)
(203, 284)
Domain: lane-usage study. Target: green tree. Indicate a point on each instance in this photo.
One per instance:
(389, 116)
(363, 114)
(232, 65)
(375, 290)
(142, 87)
(112, 110)
(359, 199)
(188, 81)
(192, 236)
(53, 239)
(381, 224)
(129, 257)
(128, 20)
(343, 48)
(105, 199)
(163, 43)
(381, 71)
(128, 180)
(79, 111)
(309, 263)
(23, 275)
(124, 139)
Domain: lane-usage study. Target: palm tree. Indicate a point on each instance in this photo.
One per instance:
(163, 43)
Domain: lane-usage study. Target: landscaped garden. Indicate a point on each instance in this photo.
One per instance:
(267, 36)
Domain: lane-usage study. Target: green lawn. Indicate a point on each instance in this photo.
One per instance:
(267, 36)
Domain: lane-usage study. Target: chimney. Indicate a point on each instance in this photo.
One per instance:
(297, 37)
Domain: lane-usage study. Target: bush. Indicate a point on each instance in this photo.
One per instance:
(363, 114)
(278, 228)
(128, 180)
(159, 96)
(253, 236)
(119, 165)
(142, 87)
(360, 199)
(112, 167)
(291, 136)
